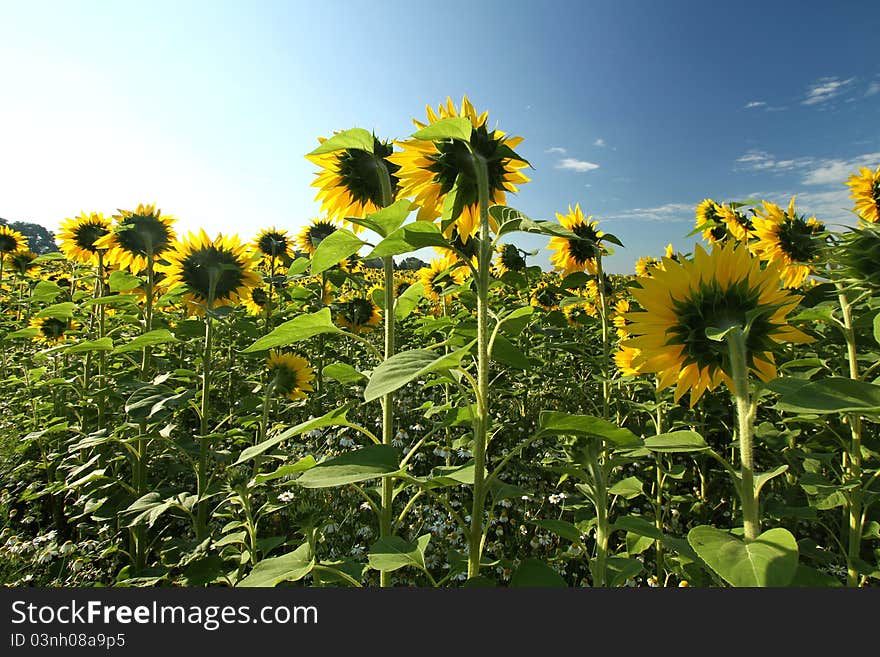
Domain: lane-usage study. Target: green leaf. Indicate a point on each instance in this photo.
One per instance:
(719, 334)
(356, 138)
(676, 441)
(149, 339)
(762, 478)
(408, 238)
(85, 346)
(407, 302)
(832, 395)
(453, 475)
(627, 488)
(451, 128)
(620, 569)
(305, 463)
(563, 528)
(535, 573)
(334, 417)
(342, 372)
(28, 333)
(362, 464)
(295, 330)
(58, 311)
(298, 267)
(150, 401)
(400, 369)
(516, 320)
(290, 567)
(638, 526)
(504, 352)
(122, 281)
(559, 423)
(877, 328)
(387, 220)
(769, 560)
(334, 248)
(393, 552)
(45, 291)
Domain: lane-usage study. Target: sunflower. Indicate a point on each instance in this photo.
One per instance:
(546, 296)
(439, 275)
(647, 264)
(11, 240)
(358, 314)
(53, 330)
(213, 272)
(291, 375)
(349, 184)
(865, 191)
(311, 236)
(136, 237)
(273, 243)
(79, 237)
(430, 169)
(510, 258)
(577, 311)
(624, 359)
(738, 225)
(572, 255)
(709, 220)
(255, 300)
(721, 289)
(618, 318)
(21, 262)
(858, 254)
(787, 238)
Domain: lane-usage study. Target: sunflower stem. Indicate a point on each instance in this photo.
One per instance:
(854, 453)
(264, 421)
(736, 344)
(202, 474)
(481, 425)
(600, 286)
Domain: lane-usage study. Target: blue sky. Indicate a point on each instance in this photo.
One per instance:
(635, 110)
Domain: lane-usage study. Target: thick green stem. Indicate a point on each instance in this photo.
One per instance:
(854, 453)
(736, 344)
(204, 441)
(658, 493)
(603, 315)
(599, 566)
(481, 425)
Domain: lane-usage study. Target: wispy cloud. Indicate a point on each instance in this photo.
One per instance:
(755, 103)
(814, 171)
(756, 160)
(873, 88)
(829, 172)
(670, 213)
(579, 166)
(599, 142)
(556, 149)
(829, 206)
(826, 89)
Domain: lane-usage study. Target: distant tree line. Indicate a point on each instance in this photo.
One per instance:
(40, 240)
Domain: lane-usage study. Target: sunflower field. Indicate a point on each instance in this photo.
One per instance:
(194, 410)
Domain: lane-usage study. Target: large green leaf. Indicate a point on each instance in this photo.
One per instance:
(333, 418)
(408, 238)
(305, 463)
(560, 423)
(150, 402)
(45, 292)
(290, 567)
(677, 441)
(362, 464)
(769, 560)
(832, 395)
(334, 248)
(342, 372)
(58, 311)
(393, 552)
(506, 353)
(536, 573)
(400, 369)
(408, 301)
(150, 339)
(563, 528)
(451, 128)
(85, 346)
(356, 138)
(295, 330)
(122, 281)
(387, 220)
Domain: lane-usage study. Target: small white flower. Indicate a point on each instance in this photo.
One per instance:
(286, 497)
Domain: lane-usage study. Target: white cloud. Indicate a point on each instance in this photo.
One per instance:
(670, 213)
(756, 160)
(579, 166)
(873, 88)
(599, 142)
(825, 89)
(556, 149)
(755, 103)
(829, 172)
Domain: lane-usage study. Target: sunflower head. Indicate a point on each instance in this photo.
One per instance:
(290, 375)
(717, 290)
(790, 239)
(214, 272)
(137, 237)
(53, 330)
(865, 191)
(710, 222)
(21, 262)
(618, 317)
(647, 264)
(430, 169)
(11, 240)
(510, 258)
(858, 255)
(578, 311)
(546, 295)
(358, 314)
(440, 274)
(349, 183)
(312, 235)
(273, 244)
(571, 255)
(624, 359)
(738, 225)
(79, 236)
(256, 300)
